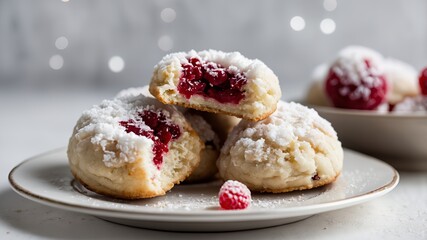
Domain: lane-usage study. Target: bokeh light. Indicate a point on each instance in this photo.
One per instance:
(297, 23)
(330, 5)
(327, 26)
(168, 15)
(56, 62)
(116, 64)
(61, 43)
(165, 43)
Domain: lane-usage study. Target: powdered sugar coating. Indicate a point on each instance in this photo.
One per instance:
(232, 60)
(199, 124)
(306, 123)
(402, 80)
(351, 63)
(282, 152)
(416, 104)
(102, 124)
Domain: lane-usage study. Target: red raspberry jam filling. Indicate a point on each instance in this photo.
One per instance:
(364, 90)
(161, 131)
(211, 80)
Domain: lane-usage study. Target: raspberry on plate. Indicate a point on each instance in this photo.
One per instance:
(356, 80)
(234, 195)
(423, 81)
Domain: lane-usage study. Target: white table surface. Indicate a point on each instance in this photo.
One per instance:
(32, 123)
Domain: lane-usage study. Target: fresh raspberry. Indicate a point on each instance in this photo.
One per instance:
(234, 195)
(356, 84)
(423, 81)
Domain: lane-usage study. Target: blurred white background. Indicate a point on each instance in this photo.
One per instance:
(76, 44)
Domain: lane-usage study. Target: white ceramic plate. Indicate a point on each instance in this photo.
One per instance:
(46, 179)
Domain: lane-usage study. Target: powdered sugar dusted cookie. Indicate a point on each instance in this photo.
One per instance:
(207, 169)
(293, 149)
(217, 82)
(402, 79)
(208, 156)
(417, 104)
(133, 147)
(316, 94)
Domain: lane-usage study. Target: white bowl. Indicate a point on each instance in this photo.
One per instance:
(399, 139)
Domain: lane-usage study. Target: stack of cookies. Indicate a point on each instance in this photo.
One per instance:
(205, 115)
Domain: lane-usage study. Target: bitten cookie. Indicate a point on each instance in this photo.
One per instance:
(217, 82)
(293, 149)
(206, 170)
(133, 147)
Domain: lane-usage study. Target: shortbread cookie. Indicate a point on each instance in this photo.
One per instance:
(316, 94)
(221, 124)
(217, 82)
(417, 104)
(207, 169)
(293, 149)
(133, 147)
(402, 79)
